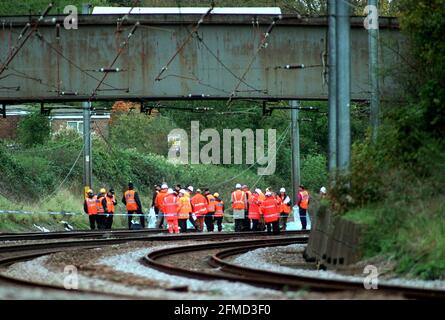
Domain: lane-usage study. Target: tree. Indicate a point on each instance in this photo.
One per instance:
(34, 129)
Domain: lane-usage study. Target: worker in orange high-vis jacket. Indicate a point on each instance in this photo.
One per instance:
(170, 211)
(303, 204)
(239, 205)
(199, 207)
(219, 211)
(111, 203)
(160, 221)
(90, 208)
(285, 208)
(270, 209)
(102, 210)
(133, 204)
(184, 209)
(254, 210)
(210, 210)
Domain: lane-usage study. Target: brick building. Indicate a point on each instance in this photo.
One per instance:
(60, 118)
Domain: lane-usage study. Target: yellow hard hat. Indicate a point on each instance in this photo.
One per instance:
(216, 195)
(90, 191)
(103, 190)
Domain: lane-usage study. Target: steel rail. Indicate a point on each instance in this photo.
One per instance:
(41, 249)
(102, 242)
(314, 283)
(151, 259)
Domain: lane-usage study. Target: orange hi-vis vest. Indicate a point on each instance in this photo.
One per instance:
(219, 208)
(130, 200)
(211, 204)
(184, 207)
(270, 210)
(110, 204)
(254, 208)
(285, 207)
(304, 199)
(170, 207)
(100, 207)
(91, 205)
(238, 197)
(199, 205)
(159, 202)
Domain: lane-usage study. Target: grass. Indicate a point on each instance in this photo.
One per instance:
(412, 232)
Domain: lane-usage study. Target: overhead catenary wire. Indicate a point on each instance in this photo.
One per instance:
(252, 165)
(64, 180)
(249, 66)
(195, 29)
(16, 48)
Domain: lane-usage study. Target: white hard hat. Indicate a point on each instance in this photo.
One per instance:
(182, 191)
(282, 190)
(164, 186)
(190, 188)
(170, 190)
(323, 190)
(258, 190)
(238, 186)
(268, 193)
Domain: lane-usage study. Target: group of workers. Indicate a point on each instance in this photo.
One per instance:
(252, 210)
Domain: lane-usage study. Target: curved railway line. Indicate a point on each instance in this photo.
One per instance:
(220, 268)
(264, 278)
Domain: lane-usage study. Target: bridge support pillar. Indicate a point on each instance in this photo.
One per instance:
(295, 148)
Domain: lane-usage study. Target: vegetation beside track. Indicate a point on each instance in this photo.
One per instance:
(397, 183)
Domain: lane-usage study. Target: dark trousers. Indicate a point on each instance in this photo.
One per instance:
(275, 226)
(208, 220)
(239, 223)
(182, 223)
(141, 218)
(283, 220)
(108, 221)
(219, 221)
(94, 221)
(246, 221)
(255, 225)
(303, 218)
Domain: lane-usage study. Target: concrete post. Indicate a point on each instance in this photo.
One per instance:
(373, 41)
(87, 154)
(295, 149)
(343, 86)
(332, 114)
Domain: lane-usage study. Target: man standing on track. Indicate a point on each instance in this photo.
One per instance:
(160, 221)
(111, 203)
(133, 205)
(210, 210)
(254, 210)
(90, 207)
(170, 211)
(285, 208)
(270, 209)
(102, 210)
(239, 205)
(184, 210)
(303, 204)
(199, 206)
(219, 211)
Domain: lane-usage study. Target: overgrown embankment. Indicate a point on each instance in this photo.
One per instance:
(397, 182)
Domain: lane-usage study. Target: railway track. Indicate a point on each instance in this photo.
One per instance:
(270, 279)
(16, 253)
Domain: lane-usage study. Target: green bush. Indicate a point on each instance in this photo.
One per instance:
(33, 129)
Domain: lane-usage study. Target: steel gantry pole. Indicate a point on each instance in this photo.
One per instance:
(87, 159)
(332, 114)
(295, 148)
(343, 85)
(373, 42)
